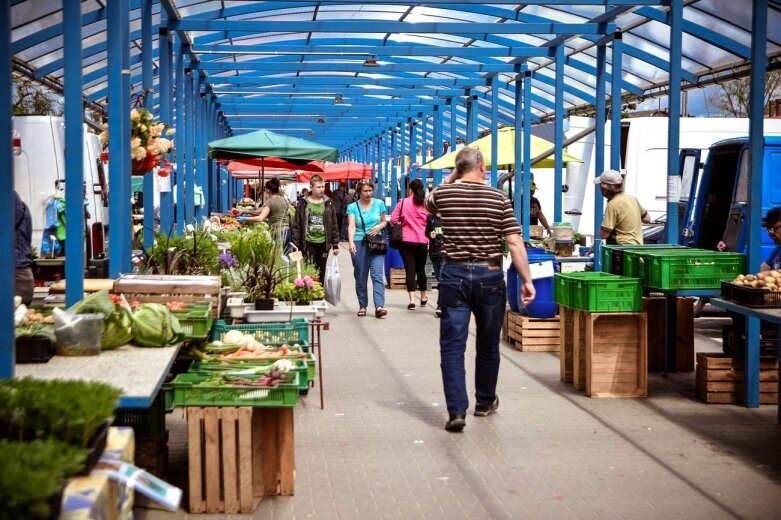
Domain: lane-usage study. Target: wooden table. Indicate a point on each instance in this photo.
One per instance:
(752, 345)
(137, 371)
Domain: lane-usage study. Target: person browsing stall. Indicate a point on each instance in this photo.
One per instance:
(366, 216)
(624, 216)
(773, 226)
(475, 218)
(314, 226)
(537, 216)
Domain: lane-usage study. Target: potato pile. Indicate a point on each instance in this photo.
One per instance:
(767, 280)
(34, 316)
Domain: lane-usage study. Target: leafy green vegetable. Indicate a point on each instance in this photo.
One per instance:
(33, 474)
(194, 253)
(36, 330)
(155, 326)
(116, 319)
(70, 411)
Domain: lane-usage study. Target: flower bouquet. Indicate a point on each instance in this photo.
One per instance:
(147, 144)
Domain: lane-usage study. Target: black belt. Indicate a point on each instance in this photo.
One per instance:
(492, 262)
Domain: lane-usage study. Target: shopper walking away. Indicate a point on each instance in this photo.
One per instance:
(367, 217)
(475, 217)
(434, 233)
(411, 214)
(624, 216)
(23, 256)
(314, 226)
(275, 211)
(341, 200)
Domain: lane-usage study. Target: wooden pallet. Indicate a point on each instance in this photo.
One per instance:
(533, 334)
(721, 379)
(165, 288)
(566, 341)
(237, 455)
(616, 354)
(398, 279)
(579, 350)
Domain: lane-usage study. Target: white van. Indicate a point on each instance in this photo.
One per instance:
(39, 173)
(644, 157)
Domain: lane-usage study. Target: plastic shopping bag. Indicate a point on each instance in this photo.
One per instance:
(333, 282)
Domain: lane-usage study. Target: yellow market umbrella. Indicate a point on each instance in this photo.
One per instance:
(506, 150)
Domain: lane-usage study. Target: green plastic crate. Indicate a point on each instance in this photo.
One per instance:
(633, 259)
(294, 331)
(195, 320)
(188, 393)
(619, 251)
(607, 258)
(671, 270)
(598, 292)
(206, 367)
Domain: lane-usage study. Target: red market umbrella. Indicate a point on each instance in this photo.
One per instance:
(345, 171)
(269, 163)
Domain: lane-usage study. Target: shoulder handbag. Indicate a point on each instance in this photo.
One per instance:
(375, 244)
(396, 237)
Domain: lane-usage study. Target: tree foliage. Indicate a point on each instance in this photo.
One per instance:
(29, 98)
(733, 97)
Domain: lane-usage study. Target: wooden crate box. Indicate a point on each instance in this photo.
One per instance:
(237, 455)
(721, 379)
(153, 288)
(566, 341)
(684, 361)
(616, 354)
(579, 350)
(533, 334)
(398, 279)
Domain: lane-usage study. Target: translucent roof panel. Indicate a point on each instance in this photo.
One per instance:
(715, 39)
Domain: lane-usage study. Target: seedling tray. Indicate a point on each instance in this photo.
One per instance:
(189, 390)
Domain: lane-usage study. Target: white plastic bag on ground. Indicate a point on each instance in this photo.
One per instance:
(333, 282)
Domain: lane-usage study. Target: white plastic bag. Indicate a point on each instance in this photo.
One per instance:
(333, 282)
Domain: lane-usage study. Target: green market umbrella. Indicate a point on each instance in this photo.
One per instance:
(265, 143)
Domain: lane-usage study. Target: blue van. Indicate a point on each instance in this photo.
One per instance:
(714, 206)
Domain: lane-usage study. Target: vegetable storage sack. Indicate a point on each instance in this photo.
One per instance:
(333, 282)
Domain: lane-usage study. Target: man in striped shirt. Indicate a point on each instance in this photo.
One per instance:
(475, 217)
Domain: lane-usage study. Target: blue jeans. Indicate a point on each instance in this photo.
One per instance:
(467, 289)
(363, 264)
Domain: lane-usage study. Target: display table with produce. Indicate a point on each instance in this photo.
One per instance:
(137, 372)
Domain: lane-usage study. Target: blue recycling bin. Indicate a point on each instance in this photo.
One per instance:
(543, 305)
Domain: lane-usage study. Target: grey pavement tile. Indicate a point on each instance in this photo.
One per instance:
(379, 449)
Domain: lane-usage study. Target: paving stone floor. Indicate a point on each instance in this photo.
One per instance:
(379, 451)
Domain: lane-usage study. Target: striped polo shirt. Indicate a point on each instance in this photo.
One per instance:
(474, 219)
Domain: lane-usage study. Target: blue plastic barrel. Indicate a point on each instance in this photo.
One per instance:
(543, 305)
(393, 260)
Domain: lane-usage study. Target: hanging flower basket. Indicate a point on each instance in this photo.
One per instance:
(148, 147)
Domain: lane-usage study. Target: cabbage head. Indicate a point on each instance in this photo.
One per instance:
(116, 323)
(155, 326)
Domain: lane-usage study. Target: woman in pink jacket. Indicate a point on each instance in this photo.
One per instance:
(412, 214)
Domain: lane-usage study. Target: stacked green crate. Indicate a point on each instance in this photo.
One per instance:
(691, 269)
(598, 292)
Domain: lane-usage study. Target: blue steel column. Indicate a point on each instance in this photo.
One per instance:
(518, 181)
(756, 156)
(189, 173)
(164, 44)
(494, 131)
(74, 159)
(118, 170)
(413, 148)
(437, 146)
(673, 119)
(198, 155)
(395, 168)
(149, 104)
(558, 135)
(7, 202)
(615, 104)
(599, 150)
(453, 123)
(404, 144)
(180, 142)
(127, 228)
(527, 138)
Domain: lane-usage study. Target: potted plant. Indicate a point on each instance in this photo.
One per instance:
(191, 254)
(260, 265)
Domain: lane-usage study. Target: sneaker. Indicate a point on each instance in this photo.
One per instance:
(380, 312)
(483, 409)
(438, 313)
(455, 423)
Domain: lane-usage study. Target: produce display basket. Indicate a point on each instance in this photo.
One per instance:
(751, 296)
(206, 367)
(687, 269)
(190, 390)
(154, 288)
(250, 362)
(195, 320)
(629, 260)
(598, 292)
(295, 331)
